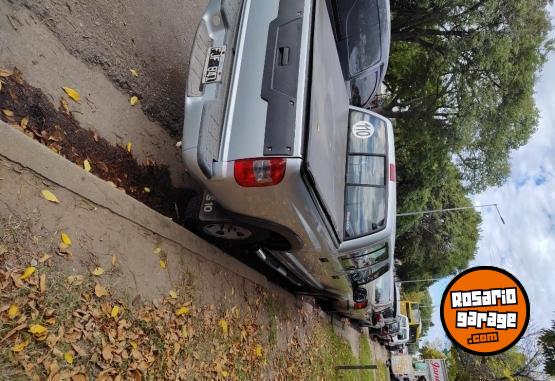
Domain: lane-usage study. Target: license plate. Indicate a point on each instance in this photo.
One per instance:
(214, 65)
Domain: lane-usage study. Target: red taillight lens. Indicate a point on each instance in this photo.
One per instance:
(259, 172)
(392, 173)
(360, 305)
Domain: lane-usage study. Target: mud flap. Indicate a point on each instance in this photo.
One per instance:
(211, 211)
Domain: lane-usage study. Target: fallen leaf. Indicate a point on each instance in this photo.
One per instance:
(13, 311)
(224, 373)
(42, 283)
(115, 311)
(134, 72)
(114, 260)
(134, 100)
(100, 291)
(65, 239)
(147, 190)
(49, 196)
(133, 344)
(44, 258)
(162, 263)
(1, 85)
(28, 272)
(75, 280)
(24, 122)
(224, 326)
(129, 147)
(7, 112)
(79, 377)
(20, 346)
(37, 329)
(182, 311)
(258, 350)
(65, 105)
(5, 72)
(173, 294)
(87, 166)
(157, 250)
(72, 93)
(68, 356)
(98, 271)
(107, 353)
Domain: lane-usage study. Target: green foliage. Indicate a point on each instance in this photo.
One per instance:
(547, 343)
(461, 77)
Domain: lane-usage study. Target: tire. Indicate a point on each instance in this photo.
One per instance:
(229, 231)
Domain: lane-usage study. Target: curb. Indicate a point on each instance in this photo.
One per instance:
(20, 149)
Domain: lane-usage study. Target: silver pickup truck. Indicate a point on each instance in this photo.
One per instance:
(289, 165)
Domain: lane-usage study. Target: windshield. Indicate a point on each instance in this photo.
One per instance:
(365, 193)
(364, 36)
(366, 275)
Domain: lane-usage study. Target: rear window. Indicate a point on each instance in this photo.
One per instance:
(368, 274)
(366, 258)
(364, 36)
(366, 178)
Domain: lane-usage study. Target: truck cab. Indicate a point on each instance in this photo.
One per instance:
(288, 166)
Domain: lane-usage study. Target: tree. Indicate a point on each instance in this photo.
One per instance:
(463, 71)
(547, 343)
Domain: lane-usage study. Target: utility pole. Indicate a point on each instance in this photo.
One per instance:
(452, 210)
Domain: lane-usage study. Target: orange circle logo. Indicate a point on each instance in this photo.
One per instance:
(485, 310)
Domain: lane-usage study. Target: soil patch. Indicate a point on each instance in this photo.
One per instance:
(27, 108)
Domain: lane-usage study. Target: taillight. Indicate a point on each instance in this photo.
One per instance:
(259, 172)
(360, 305)
(392, 173)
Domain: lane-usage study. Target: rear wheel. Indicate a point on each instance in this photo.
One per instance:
(223, 231)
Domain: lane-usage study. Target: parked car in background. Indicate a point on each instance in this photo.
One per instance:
(397, 340)
(362, 30)
(289, 167)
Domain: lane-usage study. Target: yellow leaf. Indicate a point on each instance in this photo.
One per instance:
(115, 311)
(65, 105)
(129, 147)
(147, 190)
(157, 250)
(65, 239)
(24, 122)
(114, 260)
(224, 327)
(7, 112)
(258, 350)
(75, 279)
(28, 272)
(182, 311)
(13, 311)
(68, 356)
(20, 346)
(49, 196)
(173, 294)
(42, 283)
(87, 166)
(134, 100)
(224, 373)
(162, 263)
(100, 291)
(37, 329)
(98, 271)
(5, 72)
(133, 344)
(72, 93)
(134, 72)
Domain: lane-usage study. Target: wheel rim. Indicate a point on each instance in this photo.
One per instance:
(227, 231)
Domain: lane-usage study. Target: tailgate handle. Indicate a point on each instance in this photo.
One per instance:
(283, 56)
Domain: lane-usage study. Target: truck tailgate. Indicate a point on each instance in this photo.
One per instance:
(328, 125)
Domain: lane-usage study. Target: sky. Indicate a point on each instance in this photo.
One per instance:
(525, 245)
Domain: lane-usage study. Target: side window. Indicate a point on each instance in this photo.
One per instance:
(366, 178)
(363, 36)
(365, 259)
(367, 275)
